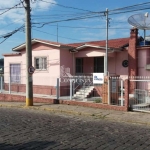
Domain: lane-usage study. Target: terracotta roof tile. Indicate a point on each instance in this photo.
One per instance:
(115, 43)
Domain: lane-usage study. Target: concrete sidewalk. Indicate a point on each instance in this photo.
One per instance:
(128, 117)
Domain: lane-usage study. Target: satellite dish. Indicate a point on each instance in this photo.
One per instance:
(140, 21)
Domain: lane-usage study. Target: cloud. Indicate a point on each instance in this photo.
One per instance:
(17, 15)
(42, 5)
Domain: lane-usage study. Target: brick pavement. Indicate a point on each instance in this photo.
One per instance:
(44, 130)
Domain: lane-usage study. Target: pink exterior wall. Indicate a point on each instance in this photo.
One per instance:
(66, 59)
(46, 77)
(115, 64)
(120, 56)
(112, 65)
(91, 52)
(114, 60)
(143, 60)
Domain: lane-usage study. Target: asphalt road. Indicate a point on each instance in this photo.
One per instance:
(22, 129)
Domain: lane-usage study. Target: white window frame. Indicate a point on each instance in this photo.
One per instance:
(41, 66)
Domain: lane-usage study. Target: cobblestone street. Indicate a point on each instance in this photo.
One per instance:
(38, 130)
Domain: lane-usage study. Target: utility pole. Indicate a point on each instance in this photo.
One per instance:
(29, 81)
(106, 55)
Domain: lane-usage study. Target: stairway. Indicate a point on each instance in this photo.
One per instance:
(84, 92)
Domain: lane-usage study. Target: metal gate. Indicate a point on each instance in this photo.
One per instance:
(117, 91)
(139, 100)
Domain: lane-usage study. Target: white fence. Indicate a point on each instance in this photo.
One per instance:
(139, 100)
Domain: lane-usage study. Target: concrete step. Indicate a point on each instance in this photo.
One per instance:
(83, 92)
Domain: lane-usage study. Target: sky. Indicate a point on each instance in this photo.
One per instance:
(60, 21)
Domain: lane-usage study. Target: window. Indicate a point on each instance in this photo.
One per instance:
(99, 64)
(79, 65)
(15, 73)
(40, 63)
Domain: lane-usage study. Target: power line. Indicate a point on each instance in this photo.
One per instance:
(84, 27)
(10, 8)
(127, 7)
(70, 19)
(129, 11)
(8, 35)
(58, 36)
(67, 6)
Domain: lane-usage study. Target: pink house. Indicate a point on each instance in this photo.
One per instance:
(50, 59)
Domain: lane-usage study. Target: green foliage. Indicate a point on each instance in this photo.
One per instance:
(98, 100)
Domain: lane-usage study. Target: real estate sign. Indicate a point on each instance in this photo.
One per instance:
(98, 78)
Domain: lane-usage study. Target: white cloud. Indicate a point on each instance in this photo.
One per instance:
(42, 6)
(17, 15)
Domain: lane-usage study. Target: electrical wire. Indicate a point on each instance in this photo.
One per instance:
(85, 27)
(58, 36)
(70, 19)
(67, 6)
(127, 7)
(10, 8)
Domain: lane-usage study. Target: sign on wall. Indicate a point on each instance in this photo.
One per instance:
(98, 78)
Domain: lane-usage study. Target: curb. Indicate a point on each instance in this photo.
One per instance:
(57, 111)
(95, 116)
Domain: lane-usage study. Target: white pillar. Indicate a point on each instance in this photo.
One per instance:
(121, 92)
(9, 84)
(108, 91)
(70, 89)
(57, 88)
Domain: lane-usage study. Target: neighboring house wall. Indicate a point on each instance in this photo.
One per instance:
(44, 81)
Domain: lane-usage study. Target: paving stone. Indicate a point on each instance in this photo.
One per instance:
(39, 130)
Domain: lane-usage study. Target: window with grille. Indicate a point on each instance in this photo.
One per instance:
(79, 65)
(98, 64)
(40, 63)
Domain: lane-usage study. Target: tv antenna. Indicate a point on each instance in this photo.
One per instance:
(140, 21)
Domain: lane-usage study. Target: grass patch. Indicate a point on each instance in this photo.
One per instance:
(98, 100)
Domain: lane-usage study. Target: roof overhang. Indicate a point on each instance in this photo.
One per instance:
(12, 54)
(22, 46)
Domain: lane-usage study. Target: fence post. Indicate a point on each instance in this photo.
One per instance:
(9, 85)
(108, 91)
(121, 92)
(57, 88)
(70, 89)
(1, 84)
(73, 87)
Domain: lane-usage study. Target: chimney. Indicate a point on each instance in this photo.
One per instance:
(132, 57)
